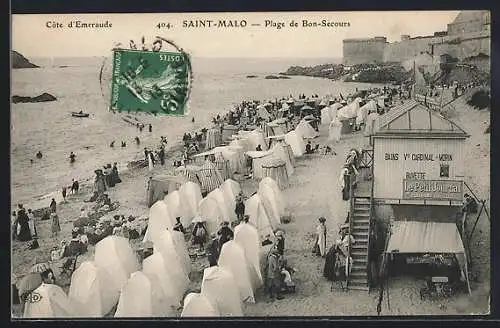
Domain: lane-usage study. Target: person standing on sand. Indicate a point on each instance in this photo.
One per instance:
(64, 193)
(320, 242)
(23, 229)
(74, 186)
(150, 128)
(274, 274)
(53, 205)
(137, 141)
(161, 154)
(31, 222)
(13, 224)
(72, 157)
(55, 226)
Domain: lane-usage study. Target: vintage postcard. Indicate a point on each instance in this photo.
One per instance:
(316, 164)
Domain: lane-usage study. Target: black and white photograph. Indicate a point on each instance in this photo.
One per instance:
(250, 164)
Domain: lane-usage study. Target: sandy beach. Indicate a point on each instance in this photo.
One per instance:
(313, 192)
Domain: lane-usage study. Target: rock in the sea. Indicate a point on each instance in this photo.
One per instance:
(251, 76)
(19, 61)
(41, 98)
(274, 77)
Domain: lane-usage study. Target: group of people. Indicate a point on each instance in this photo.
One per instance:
(23, 224)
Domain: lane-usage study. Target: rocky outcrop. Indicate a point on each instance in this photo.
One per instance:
(19, 61)
(275, 77)
(329, 71)
(41, 98)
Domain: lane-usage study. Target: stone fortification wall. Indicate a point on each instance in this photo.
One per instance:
(465, 46)
(363, 51)
(404, 50)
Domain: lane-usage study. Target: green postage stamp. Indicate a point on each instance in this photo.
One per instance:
(150, 82)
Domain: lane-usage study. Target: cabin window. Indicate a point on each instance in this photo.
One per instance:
(444, 171)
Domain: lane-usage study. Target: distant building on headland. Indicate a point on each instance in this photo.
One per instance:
(468, 35)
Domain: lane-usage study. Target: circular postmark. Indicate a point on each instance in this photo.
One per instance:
(148, 79)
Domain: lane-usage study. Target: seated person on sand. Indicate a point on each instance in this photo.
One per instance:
(286, 274)
(310, 149)
(75, 246)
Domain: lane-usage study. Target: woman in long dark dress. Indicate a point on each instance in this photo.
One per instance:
(24, 233)
(329, 269)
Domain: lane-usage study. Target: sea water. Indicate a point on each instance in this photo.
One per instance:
(218, 85)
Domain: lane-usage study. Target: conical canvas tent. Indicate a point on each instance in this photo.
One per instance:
(273, 200)
(91, 291)
(209, 177)
(334, 109)
(280, 151)
(254, 208)
(214, 138)
(173, 283)
(141, 298)
(235, 163)
(49, 301)
(296, 143)
(191, 192)
(305, 130)
(114, 255)
(363, 112)
(240, 141)
(256, 138)
(177, 206)
(210, 211)
(167, 247)
(334, 130)
(232, 258)
(198, 305)
(231, 189)
(220, 287)
(275, 168)
(182, 249)
(247, 236)
(372, 124)
(349, 111)
(159, 220)
(224, 204)
(258, 158)
(325, 116)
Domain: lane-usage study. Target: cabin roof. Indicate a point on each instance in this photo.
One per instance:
(414, 120)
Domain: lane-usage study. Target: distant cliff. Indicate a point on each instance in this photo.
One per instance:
(19, 61)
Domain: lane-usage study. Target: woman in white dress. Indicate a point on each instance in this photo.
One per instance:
(320, 243)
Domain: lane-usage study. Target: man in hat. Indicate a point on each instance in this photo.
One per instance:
(280, 242)
(213, 250)
(240, 207)
(345, 236)
(274, 273)
(225, 234)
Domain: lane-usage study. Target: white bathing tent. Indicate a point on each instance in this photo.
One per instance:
(334, 130)
(172, 282)
(141, 298)
(220, 287)
(191, 192)
(256, 138)
(281, 152)
(210, 211)
(272, 199)
(177, 206)
(334, 109)
(325, 116)
(258, 217)
(349, 111)
(247, 236)
(168, 248)
(115, 255)
(258, 158)
(158, 221)
(181, 248)
(305, 130)
(49, 301)
(224, 204)
(296, 142)
(239, 158)
(231, 189)
(91, 290)
(364, 110)
(198, 305)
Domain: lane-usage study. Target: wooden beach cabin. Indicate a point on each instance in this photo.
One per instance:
(415, 185)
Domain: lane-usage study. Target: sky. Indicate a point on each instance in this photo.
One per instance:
(32, 38)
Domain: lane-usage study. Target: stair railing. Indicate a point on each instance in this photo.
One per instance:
(352, 178)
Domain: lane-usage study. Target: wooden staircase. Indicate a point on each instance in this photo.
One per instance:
(360, 230)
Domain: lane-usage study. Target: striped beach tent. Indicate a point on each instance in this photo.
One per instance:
(189, 172)
(222, 166)
(214, 138)
(209, 177)
(275, 168)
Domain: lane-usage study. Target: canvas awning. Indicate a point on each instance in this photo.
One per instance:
(425, 237)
